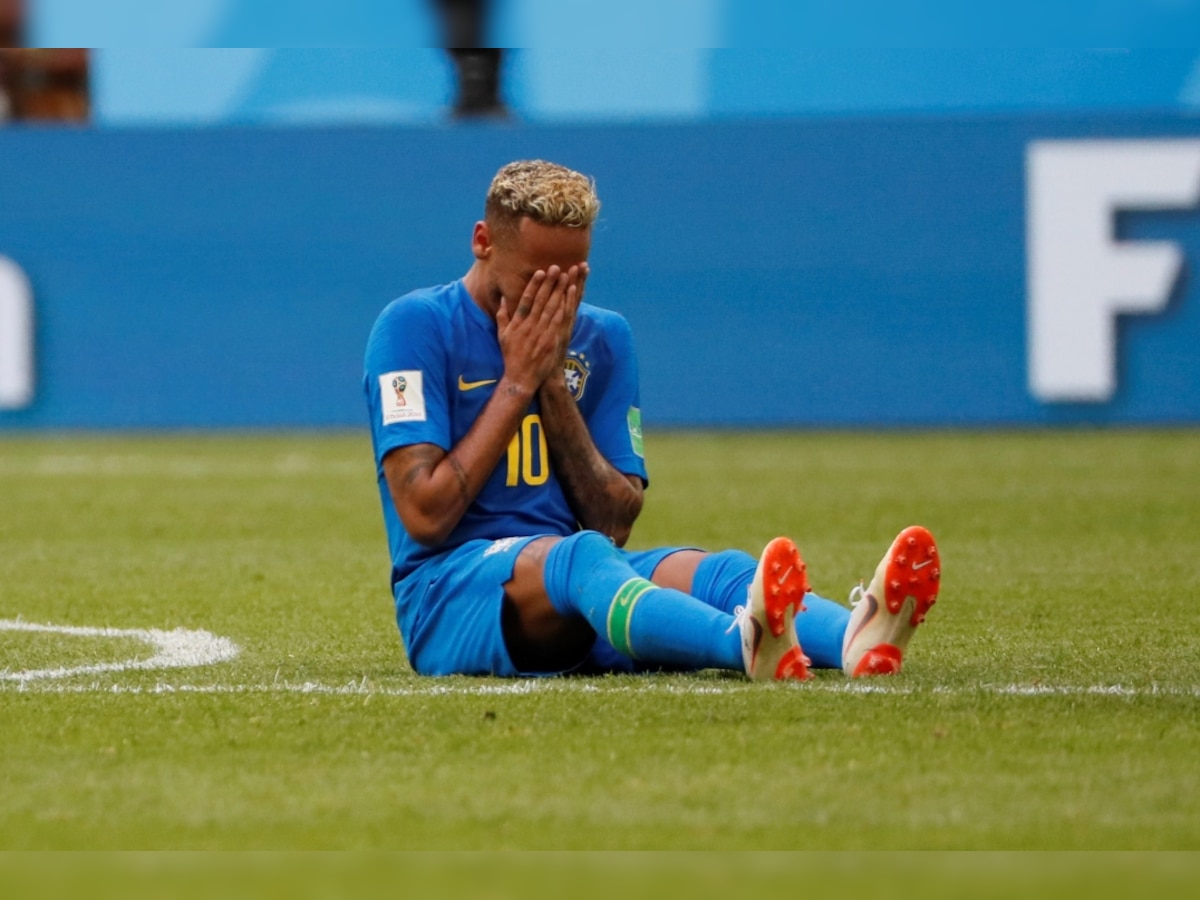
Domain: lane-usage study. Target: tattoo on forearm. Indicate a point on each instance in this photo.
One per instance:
(421, 462)
(601, 497)
(460, 476)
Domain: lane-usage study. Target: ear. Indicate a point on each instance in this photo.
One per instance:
(481, 241)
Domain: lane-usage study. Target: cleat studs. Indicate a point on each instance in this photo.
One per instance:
(912, 542)
(902, 559)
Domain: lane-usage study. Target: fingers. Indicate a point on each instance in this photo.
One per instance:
(557, 281)
(536, 293)
(536, 334)
(575, 291)
(548, 286)
(584, 270)
(551, 300)
(544, 293)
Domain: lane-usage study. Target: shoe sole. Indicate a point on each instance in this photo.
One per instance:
(913, 572)
(784, 582)
(784, 579)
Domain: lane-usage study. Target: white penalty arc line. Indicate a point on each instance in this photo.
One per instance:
(180, 648)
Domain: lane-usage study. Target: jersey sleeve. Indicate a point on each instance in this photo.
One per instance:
(404, 377)
(616, 422)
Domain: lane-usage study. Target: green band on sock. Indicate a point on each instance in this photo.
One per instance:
(621, 612)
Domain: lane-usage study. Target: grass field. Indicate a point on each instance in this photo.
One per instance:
(1051, 702)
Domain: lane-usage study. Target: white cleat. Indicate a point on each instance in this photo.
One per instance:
(770, 649)
(886, 614)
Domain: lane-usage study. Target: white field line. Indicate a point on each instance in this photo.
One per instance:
(181, 648)
(184, 648)
(591, 686)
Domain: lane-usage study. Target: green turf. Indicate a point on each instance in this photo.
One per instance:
(1051, 702)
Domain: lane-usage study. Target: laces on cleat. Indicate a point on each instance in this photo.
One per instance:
(857, 593)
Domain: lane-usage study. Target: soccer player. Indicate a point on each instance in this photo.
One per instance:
(508, 444)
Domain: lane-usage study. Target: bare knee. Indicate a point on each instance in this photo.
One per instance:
(539, 638)
(678, 570)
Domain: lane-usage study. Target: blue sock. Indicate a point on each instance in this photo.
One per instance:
(820, 629)
(586, 575)
(722, 579)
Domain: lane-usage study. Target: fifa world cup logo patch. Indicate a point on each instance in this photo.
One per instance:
(402, 396)
(576, 369)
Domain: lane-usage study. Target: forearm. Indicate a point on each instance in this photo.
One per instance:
(432, 488)
(601, 498)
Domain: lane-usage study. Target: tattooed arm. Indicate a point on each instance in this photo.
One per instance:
(432, 488)
(602, 498)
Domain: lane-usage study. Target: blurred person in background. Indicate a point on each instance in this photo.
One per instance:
(477, 68)
(39, 84)
(36, 83)
(10, 36)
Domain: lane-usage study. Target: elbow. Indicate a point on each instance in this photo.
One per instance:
(620, 536)
(621, 529)
(426, 530)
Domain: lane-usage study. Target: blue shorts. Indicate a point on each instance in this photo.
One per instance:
(448, 610)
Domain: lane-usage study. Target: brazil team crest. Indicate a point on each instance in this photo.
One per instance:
(576, 369)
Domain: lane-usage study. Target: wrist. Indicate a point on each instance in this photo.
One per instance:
(515, 387)
(556, 382)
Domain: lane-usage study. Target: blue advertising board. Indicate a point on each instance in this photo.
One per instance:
(814, 273)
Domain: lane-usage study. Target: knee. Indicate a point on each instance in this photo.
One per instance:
(588, 543)
(571, 563)
(578, 554)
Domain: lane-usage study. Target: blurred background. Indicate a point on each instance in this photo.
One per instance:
(378, 61)
(803, 201)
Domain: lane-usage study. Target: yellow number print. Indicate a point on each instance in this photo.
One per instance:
(528, 455)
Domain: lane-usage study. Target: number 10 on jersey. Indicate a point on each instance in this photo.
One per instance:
(528, 455)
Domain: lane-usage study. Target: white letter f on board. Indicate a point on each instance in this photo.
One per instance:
(1080, 278)
(16, 337)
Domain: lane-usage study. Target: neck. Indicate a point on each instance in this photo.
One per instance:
(476, 286)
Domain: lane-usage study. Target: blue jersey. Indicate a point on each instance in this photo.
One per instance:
(432, 362)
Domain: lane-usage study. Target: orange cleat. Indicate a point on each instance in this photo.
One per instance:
(770, 649)
(886, 614)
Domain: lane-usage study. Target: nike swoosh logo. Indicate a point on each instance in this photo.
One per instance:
(464, 385)
(917, 566)
(872, 611)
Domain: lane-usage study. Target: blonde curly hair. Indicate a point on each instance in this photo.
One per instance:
(546, 192)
